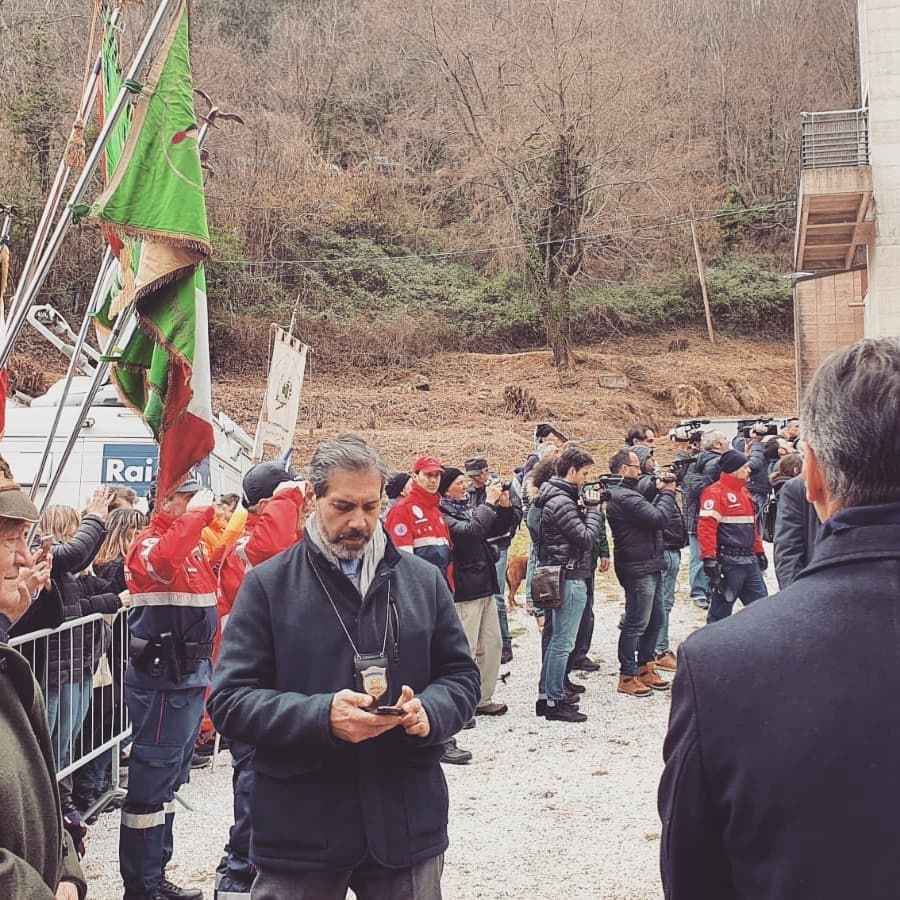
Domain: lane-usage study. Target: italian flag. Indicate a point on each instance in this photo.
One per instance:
(154, 209)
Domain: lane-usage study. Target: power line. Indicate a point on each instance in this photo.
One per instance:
(474, 251)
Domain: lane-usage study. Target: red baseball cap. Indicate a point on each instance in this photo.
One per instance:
(428, 464)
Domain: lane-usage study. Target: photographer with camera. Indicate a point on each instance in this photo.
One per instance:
(567, 532)
(509, 517)
(639, 560)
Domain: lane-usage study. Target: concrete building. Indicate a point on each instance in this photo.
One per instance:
(847, 241)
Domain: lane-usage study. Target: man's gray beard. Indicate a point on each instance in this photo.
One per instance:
(342, 552)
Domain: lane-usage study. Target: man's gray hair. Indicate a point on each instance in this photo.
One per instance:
(851, 420)
(349, 452)
(710, 437)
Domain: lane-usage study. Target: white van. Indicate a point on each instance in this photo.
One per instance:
(114, 446)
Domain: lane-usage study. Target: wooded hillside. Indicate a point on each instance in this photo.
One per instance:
(490, 172)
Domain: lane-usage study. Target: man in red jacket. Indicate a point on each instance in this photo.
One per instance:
(415, 523)
(173, 623)
(274, 498)
(730, 545)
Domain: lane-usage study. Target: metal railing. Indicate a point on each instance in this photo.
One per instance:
(836, 138)
(81, 669)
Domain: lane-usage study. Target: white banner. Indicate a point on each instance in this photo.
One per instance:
(278, 417)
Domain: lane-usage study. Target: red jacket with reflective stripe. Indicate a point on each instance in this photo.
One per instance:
(173, 589)
(274, 529)
(416, 525)
(727, 518)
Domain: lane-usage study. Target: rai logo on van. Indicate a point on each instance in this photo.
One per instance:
(130, 465)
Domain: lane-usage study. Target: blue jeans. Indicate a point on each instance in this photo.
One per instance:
(643, 618)
(529, 571)
(501, 599)
(67, 705)
(669, 581)
(698, 579)
(742, 581)
(565, 620)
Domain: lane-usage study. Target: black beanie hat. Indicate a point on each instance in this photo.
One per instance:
(395, 485)
(732, 460)
(450, 475)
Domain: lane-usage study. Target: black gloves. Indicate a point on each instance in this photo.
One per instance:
(711, 568)
(763, 561)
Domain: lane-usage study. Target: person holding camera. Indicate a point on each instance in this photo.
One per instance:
(510, 518)
(475, 573)
(639, 560)
(568, 533)
(730, 545)
(346, 668)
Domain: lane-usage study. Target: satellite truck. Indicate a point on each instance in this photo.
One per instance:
(114, 446)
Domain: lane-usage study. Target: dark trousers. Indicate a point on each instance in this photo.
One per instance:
(238, 847)
(369, 881)
(164, 724)
(643, 619)
(741, 581)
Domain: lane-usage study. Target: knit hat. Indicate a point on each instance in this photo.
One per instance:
(476, 465)
(395, 485)
(732, 460)
(427, 464)
(262, 479)
(450, 475)
(545, 429)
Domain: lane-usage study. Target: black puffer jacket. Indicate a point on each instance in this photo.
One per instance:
(474, 563)
(78, 648)
(568, 532)
(701, 475)
(674, 532)
(637, 527)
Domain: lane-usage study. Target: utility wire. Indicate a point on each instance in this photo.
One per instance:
(453, 254)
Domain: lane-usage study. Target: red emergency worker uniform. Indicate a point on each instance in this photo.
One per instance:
(727, 522)
(416, 525)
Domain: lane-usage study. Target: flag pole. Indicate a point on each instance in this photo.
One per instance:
(62, 173)
(124, 327)
(97, 297)
(42, 268)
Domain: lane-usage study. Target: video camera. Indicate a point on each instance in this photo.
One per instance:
(603, 484)
(690, 430)
(748, 426)
(677, 469)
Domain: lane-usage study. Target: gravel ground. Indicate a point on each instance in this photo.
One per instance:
(544, 810)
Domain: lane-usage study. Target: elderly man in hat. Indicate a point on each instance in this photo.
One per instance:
(509, 518)
(37, 858)
(730, 545)
(173, 622)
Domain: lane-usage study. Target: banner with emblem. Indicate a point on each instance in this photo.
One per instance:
(281, 404)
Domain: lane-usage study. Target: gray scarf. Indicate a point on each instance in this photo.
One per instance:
(372, 555)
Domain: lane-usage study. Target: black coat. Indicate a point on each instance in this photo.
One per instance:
(780, 776)
(568, 534)
(320, 803)
(474, 562)
(705, 470)
(797, 527)
(637, 526)
(508, 517)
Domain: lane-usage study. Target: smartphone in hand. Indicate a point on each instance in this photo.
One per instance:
(387, 711)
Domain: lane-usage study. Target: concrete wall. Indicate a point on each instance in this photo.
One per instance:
(828, 315)
(879, 22)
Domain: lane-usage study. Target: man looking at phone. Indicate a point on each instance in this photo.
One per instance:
(345, 665)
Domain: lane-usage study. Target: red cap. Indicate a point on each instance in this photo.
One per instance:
(428, 464)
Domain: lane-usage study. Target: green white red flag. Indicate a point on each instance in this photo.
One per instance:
(154, 203)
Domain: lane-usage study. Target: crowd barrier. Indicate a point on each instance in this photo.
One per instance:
(81, 669)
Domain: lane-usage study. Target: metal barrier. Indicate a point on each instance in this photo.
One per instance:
(87, 722)
(835, 138)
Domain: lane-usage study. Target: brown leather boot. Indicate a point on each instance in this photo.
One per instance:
(667, 661)
(631, 684)
(652, 678)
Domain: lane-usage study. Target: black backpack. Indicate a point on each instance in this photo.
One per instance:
(768, 517)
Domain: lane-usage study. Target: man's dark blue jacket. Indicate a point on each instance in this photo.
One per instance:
(781, 778)
(320, 803)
